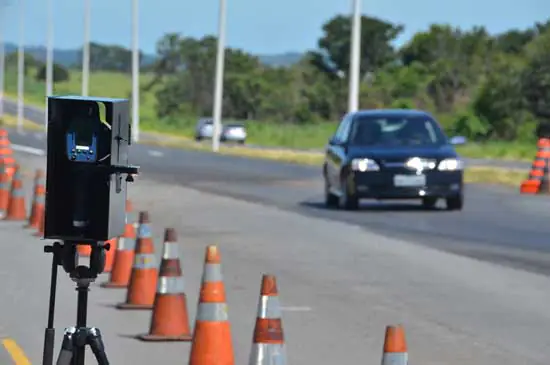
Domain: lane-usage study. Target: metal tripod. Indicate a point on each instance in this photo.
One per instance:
(75, 339)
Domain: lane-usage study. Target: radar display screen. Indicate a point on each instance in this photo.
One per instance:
(83, 129)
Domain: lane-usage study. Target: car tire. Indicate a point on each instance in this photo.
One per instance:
(242, 142)
(347, 200)
(429, 202)
(331, 200)
(198, 138)
(455, 202)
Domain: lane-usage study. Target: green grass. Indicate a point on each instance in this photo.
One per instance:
(310, 136)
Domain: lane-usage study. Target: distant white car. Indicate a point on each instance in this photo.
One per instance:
(233, 132)
(204, 129)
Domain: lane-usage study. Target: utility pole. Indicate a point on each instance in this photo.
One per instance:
(355, 58)
(21, 68)
(49, 59)
(86, 49)
(135, 71)
(218, 88)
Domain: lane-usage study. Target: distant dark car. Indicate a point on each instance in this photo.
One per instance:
(392, 154)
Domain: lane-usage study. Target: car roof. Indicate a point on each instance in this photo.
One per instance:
(392, 112)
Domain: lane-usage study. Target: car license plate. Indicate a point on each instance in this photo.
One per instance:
(409, 180)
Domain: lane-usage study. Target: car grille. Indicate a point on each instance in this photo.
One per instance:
(392, 163)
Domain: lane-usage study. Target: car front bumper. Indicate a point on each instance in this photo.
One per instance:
(382, 185)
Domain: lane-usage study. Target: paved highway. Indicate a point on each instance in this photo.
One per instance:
(340, 283)
(497, 223)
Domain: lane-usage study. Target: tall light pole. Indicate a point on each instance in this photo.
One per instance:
(355, 58)
(135, 71)
(86, 49)
(218, 87)
(21, 67)
(49, 59)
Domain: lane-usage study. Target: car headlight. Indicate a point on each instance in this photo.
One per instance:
(364, 164)
(417, 163)
(451, 164)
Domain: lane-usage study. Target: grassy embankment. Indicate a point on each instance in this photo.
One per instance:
(177, 133)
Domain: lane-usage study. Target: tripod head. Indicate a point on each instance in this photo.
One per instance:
(65, 255)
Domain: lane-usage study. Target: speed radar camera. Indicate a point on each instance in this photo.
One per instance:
(87, 168)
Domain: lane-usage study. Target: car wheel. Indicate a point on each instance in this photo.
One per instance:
(429, 202)
(242, 141)
(455, 202)
(348, 200)
(198, 138)
(331, 200)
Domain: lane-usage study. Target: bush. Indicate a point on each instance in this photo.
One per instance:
(60, 73)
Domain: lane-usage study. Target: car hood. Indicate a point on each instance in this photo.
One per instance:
(402, 153)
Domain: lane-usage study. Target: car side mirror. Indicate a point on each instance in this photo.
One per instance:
(457, 140)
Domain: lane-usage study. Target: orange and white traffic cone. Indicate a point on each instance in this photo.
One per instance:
(143, 281)
(17, 210)
(395, 347)
(41, 227)
(212, 342)
(124, 256)
(39, 200)
(6, 153)
(268, 343)
(170, 320)
(5, 187)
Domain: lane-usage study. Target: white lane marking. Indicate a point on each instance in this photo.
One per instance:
(155, 153)
(27, 149)
(296, 309)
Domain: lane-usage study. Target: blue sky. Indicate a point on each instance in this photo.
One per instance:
(259, 26)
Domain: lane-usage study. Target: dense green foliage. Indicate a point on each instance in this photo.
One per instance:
(479, 85)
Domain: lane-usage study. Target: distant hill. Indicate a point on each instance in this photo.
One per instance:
(69, 57)
(283, 59)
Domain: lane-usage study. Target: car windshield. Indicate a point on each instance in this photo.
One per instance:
(396, 131)
(234, 126)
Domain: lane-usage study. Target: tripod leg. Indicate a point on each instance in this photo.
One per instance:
(98, 347)
(49, 333)
(67, 347)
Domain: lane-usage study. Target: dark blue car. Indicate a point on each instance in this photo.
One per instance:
(392, 154)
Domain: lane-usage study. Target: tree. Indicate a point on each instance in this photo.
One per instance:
(536, 78)
(376, 49)
(110, 58)
(500, 102)
(60, 73)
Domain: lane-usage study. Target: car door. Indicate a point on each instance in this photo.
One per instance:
(336, 151)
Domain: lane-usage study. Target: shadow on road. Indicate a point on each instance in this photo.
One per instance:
(376, 207)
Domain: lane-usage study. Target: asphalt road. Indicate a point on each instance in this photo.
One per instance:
(497, 224)
(339, 284)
